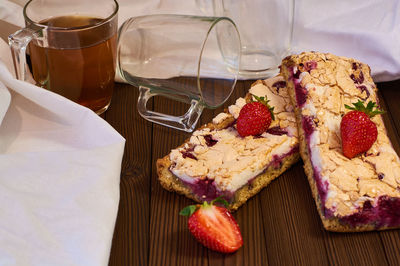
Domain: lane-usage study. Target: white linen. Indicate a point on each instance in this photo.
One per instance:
(363, 29)
(60, 169)
(367, 30)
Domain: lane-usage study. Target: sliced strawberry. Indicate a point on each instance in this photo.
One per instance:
(214, 226)
(357, 130)
(254, 117)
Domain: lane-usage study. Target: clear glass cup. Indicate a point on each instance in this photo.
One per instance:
(153, 50)
(266, 29)
(72, 47)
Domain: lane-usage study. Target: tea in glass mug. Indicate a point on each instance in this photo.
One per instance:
(72, 49)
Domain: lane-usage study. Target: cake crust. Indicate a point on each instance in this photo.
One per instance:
(172, 183)
(350, 195)
(225, 122)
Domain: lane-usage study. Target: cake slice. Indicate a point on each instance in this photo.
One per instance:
(216, 161)
(357, 194)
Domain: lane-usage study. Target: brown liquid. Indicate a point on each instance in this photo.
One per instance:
(78, 64)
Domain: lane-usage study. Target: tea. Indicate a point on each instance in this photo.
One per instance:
(78, 61)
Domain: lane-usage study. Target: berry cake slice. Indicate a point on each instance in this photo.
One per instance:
(358, 194)
(216, 161)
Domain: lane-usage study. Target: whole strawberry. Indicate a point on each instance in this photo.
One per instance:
(357, 130)
(254, 117)
(214, 226)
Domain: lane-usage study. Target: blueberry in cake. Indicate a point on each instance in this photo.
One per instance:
(357, 193)
(218, 162)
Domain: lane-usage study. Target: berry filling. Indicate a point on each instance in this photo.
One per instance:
(359, 79)
(385, 214)
(187, 154)
(362, 88)
(276, 131)
(301, 93)
(308, 126)
(277, 160)
(308, 66)
(279, 84)
(206, 190)
(210, 141)
(322, 186)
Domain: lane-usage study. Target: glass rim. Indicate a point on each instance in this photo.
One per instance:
(102, 22)
(215, 21)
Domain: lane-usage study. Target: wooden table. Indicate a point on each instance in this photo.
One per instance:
(280, 225)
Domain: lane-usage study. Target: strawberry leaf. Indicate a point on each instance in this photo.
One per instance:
(271, 109)
(188, 210)
(220, 200)
(369, 109)
(349, 107)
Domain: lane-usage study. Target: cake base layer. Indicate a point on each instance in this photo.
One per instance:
(172, 183)
(217, 162)
(333, 223)
(351, 195)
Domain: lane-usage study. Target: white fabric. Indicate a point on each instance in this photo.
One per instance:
(367, 30)
(60, 169)
(11, 12)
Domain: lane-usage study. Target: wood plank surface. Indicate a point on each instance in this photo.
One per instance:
(390, 101)
(280, 225)
(131, 235)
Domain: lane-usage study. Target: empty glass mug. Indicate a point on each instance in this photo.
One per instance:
(72, 46)
(153, 50)
(265, 27)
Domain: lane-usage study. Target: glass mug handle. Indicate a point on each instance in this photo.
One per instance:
(185, 122)
(18, 42)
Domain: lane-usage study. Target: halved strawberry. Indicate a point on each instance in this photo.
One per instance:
(214, 226)
(357, 130)
(255, 117)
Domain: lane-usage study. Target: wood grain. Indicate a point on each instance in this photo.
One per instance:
(390, 102)
(280, 226)
(131, 236)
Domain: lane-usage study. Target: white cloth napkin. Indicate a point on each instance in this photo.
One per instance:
(60, 168)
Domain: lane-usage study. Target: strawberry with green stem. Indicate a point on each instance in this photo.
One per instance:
(214, 226)
(255, 117)
(357, 130)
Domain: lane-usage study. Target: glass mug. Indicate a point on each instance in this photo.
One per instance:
(153, 50)
(72, 46)
(266, 29)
